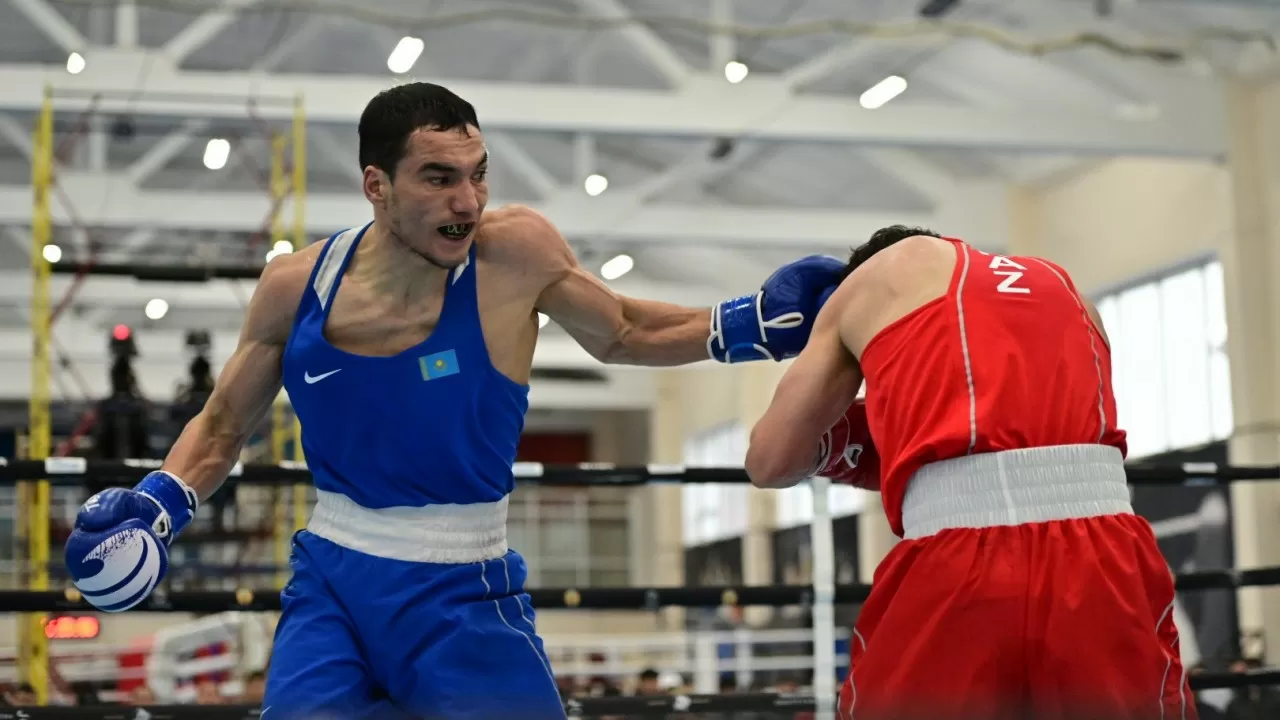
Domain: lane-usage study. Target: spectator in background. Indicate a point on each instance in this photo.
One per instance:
(194, 394)
(22, 696)
(1255, 702)
(1204, 710)
(648, 683)
(670, 681)
(142, 695)
(208, 692)
(601, 686)
(122, 430)
(787, 686)
(84, 694)
(255, 687)
(568, 686)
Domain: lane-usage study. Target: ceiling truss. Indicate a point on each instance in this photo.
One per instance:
(686, 204)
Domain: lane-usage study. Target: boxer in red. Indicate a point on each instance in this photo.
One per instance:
(1024, 586)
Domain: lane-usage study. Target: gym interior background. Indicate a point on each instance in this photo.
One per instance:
(155, 153)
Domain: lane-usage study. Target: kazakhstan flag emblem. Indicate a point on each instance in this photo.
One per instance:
(438, 365)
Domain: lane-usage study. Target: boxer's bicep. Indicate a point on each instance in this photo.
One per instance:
(580, 302)
(813, 394)
(611, 327)
(619, 329)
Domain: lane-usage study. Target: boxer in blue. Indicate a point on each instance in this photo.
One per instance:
(406, 346)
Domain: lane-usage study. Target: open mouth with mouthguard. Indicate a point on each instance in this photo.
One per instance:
(457, 231)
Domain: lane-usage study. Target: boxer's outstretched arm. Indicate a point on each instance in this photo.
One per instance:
(623, 330)
(210, 444)
(613, 328)
(813, 394)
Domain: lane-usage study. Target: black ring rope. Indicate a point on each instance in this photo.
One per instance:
(784, 705)
(600, 598)
(72, 471)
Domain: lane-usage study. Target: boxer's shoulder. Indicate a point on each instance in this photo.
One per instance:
(522, 240)
(279, 292)
(517, 232)
(289, 274)
(889, 285)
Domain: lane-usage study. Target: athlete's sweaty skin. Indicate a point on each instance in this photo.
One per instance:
(406, 346)
(392, 294)
(825, 378)
(1023, 585)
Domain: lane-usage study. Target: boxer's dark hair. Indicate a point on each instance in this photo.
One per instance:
(392, 116)
(881, 239)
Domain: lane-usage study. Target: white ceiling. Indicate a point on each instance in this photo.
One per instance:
(632, 89)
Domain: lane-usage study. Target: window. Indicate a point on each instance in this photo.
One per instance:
(1169, 360)
(715, 511)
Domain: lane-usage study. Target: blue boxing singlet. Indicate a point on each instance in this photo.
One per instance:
(405, 600)
(435, 424)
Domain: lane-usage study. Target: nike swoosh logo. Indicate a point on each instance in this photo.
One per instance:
(313, 379)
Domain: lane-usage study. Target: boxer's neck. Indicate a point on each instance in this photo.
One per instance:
(393, 269)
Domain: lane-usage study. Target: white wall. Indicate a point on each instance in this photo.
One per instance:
(1126, 218)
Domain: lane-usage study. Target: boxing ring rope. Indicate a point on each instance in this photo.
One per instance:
(572, 598)
(72, 471)
(820, 596)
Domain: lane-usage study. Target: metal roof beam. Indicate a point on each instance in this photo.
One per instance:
(110, 200)
(705, 106)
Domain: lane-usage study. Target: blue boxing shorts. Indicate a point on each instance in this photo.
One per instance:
(369, 637)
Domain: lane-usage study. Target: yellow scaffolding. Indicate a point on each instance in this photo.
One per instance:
(33, 496)
(286, 431)
(33, 654)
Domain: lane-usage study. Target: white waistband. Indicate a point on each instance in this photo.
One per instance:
(453, 534)
(1015, 487)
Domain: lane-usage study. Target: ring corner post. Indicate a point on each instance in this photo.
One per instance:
(824, 593)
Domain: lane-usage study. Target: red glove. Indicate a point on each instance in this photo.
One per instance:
(848, 454)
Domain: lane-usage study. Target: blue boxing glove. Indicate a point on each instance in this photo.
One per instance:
(118, 550)
(774, 323)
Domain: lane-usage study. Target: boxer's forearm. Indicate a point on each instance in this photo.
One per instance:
(658, 334)
(774, 466)
(204, 454)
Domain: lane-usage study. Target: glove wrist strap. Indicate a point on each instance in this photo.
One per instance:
(177, 501)
(738, 331)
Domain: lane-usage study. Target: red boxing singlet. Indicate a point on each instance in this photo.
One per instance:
(1007, 359)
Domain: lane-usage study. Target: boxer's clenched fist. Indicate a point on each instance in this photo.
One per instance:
(774, 323)
(118, 550)
(848, 454)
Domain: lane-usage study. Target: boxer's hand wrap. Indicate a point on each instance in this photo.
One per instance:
(774, 323)
(117, 551)
(846, 452)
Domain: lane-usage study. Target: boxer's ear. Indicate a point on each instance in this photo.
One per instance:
(376, 185)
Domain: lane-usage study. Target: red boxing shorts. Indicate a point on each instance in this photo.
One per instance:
(1025, 587)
